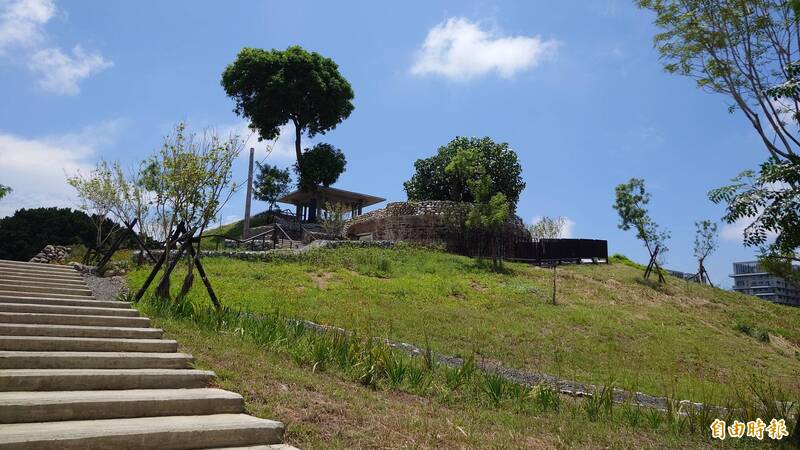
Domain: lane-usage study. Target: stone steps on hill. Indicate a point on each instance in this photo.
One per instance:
(12, 359)
(64, 302)
(24, 407)
(67, 310)
(42, 280)
(4, 293)
(35, 329)
(72, 319)
(168, 432)
(85, 344)
(101, 379)
(77, 372)
(32, 287)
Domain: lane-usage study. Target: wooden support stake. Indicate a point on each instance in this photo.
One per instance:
(168, 271)
(175, 235)
(138, 240)
(204, 277)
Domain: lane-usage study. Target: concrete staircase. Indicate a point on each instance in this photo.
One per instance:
(81, 373)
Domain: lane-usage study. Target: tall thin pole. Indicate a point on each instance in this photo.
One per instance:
(246, 227)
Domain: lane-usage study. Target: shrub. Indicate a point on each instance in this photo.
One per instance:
(25, 233)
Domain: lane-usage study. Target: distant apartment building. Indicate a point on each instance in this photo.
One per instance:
(751, 279)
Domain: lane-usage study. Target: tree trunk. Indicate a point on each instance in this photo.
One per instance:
(188, 280)
(298, 132)
(162, 290)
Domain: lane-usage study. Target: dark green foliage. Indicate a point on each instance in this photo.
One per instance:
(432, 180)
(274, 87)
(24, 234)
(771, 201)
(4, 190)
(271, 183)
(320, 165)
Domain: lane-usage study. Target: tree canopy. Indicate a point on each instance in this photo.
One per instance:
(548, 228)
(772, 199)
(440, 178)
(4, 190)
(274, 87)
(271, 183)
(321, 164)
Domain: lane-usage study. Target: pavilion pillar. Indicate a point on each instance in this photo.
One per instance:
(312, 210)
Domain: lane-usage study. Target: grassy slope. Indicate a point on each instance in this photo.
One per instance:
(234, 229)
(683, 339)
(322, 410)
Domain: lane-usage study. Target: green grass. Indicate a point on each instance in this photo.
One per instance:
(682, 340)
(234, 229)
(334, 391)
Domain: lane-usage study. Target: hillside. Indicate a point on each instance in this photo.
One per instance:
(234, 229)
(682, 340)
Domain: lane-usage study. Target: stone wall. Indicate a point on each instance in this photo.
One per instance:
(428, 223)
(52, 254)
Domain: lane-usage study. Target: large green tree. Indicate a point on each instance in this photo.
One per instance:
(321, 164)
(274, 87)
(433, 181)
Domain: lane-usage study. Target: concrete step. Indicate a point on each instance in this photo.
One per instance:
(168, 432)
(41, 275)
(25, 329)
(71, 310)
(41, 280)
(36, 266)
(44, 289)
(64, 302)
(101, 379)
(46, 295)
(81, 344)
(70, 319)
(24, 407)
(41, 289)
(93, 360)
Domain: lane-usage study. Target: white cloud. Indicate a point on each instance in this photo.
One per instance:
(36, 168)
(569, 228)
(22, 26)
(60, 72)
(22, 22)
(735, 231)
(459, 49)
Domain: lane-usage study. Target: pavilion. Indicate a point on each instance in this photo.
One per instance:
(310, 203)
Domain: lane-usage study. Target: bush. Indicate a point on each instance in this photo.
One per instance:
(25, 233)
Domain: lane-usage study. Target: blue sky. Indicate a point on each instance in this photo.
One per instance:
(576, 88)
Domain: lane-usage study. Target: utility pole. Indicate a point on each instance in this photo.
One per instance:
(246, 227)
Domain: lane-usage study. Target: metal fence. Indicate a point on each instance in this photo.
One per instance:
(575, 251)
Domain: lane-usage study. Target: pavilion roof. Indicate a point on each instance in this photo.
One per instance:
(300, 197)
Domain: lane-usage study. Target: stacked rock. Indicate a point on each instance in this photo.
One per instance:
(57, 254)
